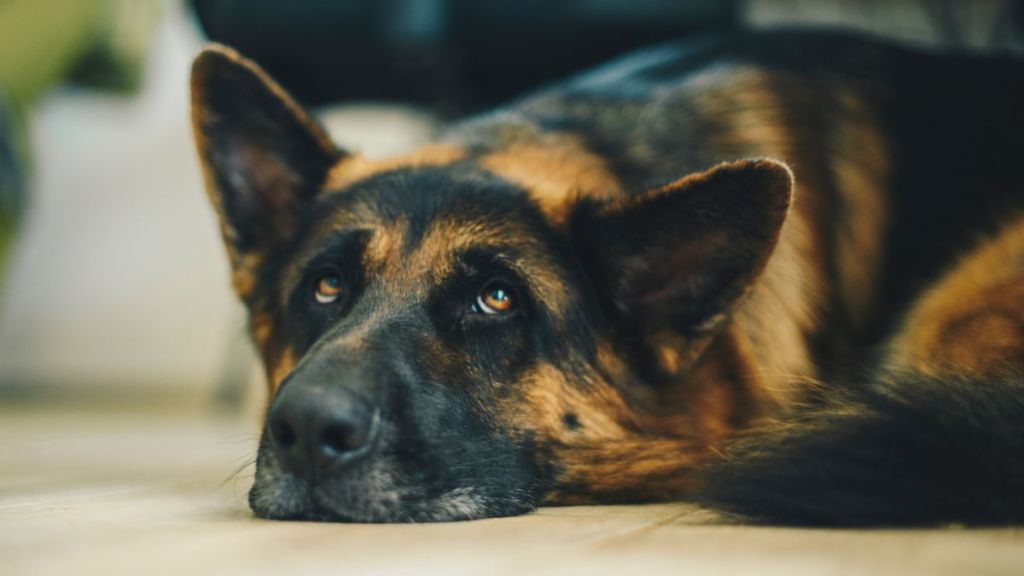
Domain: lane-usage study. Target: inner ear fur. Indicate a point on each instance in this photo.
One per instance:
(678, 257)
(263, 156)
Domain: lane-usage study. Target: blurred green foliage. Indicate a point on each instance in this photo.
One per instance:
(40, 40)
(99, 43)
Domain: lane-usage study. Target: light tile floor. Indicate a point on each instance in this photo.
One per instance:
(146, 490)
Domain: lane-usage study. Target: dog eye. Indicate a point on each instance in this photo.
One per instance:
(328, 288)
(496, 298)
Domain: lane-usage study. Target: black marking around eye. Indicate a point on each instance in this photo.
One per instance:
(342, 255)
(475, 269)
(343, 249)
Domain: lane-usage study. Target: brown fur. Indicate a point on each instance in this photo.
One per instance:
(554, 168)
(861, 167)
(352, 169)
(972, 321)
(622, 442)
(278, 361)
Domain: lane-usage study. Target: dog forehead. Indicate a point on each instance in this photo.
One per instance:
(425, 217)
(421, 221)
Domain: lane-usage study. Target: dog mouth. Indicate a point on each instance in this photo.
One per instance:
(284, 497)
(316, 505)
(379, 490)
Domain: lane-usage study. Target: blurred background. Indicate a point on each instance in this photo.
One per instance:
(113, 281)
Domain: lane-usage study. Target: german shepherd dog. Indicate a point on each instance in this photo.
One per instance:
(778, 274)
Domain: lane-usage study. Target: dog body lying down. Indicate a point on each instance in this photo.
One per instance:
(776, 273)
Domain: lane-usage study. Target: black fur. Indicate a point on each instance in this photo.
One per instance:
(901, 452)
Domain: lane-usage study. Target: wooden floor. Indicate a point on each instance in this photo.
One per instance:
(139, 490)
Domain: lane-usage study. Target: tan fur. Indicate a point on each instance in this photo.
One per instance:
(548, 396)
(782, 310)
(607, 454)
(608, 471)
(281, 368)
(277, 363)
(672, 352)
(553, 168)
(382, 252)
(972, 321)
(747, 100)
(860, 163)
(353, 168)
(243, 272)
(628, 440)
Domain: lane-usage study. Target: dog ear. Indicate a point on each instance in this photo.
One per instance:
(263, 156)
(679, 256)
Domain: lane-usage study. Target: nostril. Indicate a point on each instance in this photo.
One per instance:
(283, 434)
(343, 437)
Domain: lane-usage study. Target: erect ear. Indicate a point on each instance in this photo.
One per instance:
(679, 257)
(262, 155)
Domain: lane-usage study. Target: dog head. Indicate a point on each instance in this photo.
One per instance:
(445, 340)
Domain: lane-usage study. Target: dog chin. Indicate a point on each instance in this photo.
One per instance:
(316, 506)
(284, 497)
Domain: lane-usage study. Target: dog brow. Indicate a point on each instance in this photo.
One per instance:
(342, 248)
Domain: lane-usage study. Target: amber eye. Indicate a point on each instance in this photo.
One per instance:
(495, 298)
(328, 288)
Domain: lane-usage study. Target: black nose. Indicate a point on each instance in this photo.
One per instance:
(317, 429)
